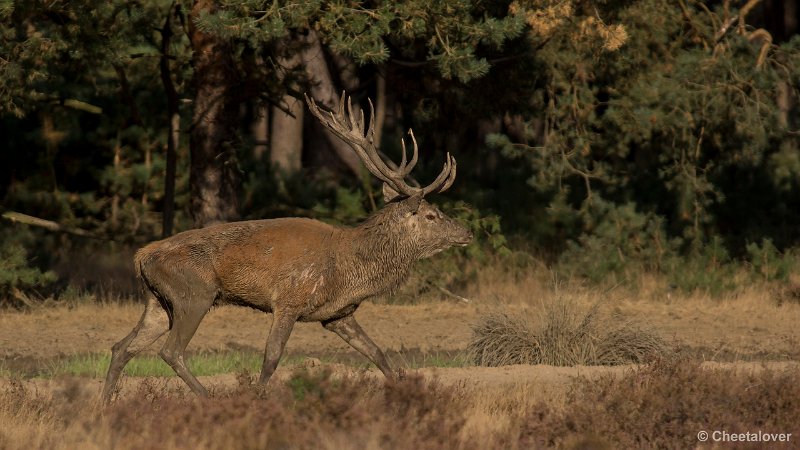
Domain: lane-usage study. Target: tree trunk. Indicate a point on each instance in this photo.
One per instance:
(286, 139)
(173, 134)
(286, 132)
(260, 131)
(324, 92)
(213, 177)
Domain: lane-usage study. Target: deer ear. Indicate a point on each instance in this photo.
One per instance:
(412, 203)
(389, 194)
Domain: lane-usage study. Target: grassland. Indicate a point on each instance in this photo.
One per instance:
(662, 405)
(732, 365)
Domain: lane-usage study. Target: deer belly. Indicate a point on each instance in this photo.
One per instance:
(298, 291)
(329, 311)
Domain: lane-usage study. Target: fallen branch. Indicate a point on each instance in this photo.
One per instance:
(47, 224)
(452, 294)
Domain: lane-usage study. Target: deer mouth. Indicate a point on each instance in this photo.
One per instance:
(463, 242)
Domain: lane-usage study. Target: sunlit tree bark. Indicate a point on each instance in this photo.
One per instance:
(214, 175)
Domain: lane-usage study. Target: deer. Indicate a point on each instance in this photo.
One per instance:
(297, 269)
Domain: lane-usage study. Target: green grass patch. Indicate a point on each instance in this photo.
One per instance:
(200, 364)
(438, 359)
(214, 363)
(5, 372)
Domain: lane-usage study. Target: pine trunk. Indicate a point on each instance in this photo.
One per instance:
(213, 179)
(286, 138)
(324, 92)
(286, 133)
(173, 135)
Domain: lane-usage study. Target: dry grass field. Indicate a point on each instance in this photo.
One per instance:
(730, 365)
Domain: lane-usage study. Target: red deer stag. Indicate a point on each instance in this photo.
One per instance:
(298, 269)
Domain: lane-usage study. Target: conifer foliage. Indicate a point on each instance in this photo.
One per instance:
(605, 135)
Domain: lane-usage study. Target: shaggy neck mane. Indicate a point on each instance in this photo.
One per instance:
(381, 239)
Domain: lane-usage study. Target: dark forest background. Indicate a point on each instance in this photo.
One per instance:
(602, 140)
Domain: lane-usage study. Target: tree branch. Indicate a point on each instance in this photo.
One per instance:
(17, 217)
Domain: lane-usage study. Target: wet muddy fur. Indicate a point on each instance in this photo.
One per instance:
(297, 269)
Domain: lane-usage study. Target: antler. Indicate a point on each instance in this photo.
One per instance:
(351, 129)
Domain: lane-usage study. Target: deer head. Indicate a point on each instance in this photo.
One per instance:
(423, 223)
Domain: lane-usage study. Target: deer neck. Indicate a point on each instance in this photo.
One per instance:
(380, 258)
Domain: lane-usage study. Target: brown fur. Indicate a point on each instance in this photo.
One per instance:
(298, 269)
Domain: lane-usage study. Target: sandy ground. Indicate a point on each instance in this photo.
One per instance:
(51, 333)
(739, 334)
(717, 331)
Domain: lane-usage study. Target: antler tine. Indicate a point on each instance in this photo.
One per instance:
(439, 181)
(452, 176)
(350, 128)
(336, 123)
(371, 129)
(445, 178)
(350, 116)
(405, 170)
(402, 167)
(371, 159)
(340, 109)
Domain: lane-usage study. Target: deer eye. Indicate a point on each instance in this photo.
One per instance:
(430, 216)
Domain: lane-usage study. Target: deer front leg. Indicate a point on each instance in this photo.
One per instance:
(278, 335)
(349, 330)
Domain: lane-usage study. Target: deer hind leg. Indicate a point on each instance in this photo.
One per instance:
(153, 324)
(190, 296)
(348, 329)
(282, 325)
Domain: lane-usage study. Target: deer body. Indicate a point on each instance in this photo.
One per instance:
(302, 267)
(297, 269)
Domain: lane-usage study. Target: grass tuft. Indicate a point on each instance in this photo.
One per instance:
(567, 336)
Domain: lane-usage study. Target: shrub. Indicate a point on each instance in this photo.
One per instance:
(661, 405)
(619, 243)
(18, 276)
(665, 405)
(315, 409)
(768, 263)
(709, 269)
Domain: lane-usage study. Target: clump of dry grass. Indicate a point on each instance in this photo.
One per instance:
(567, 336)
(31, 419)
